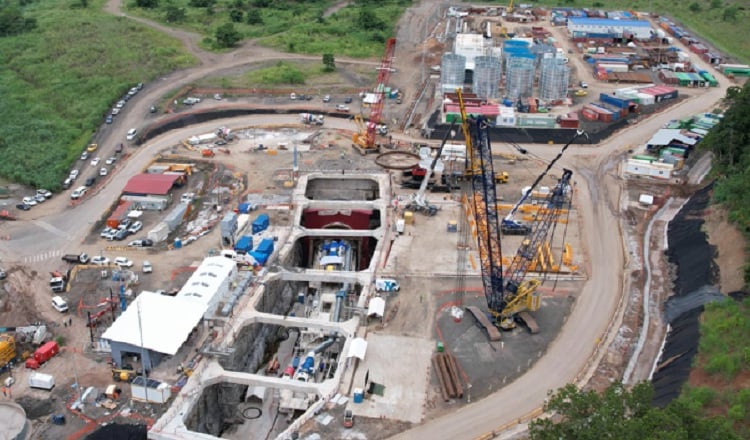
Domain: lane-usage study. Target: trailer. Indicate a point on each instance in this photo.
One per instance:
(311, 119)
(41, 381)
(81, 258)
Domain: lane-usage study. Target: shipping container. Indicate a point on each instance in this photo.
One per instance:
(244, 244)
(614, 67)
(119, 214)
(261, 223)
(617, 102)
(614, 112)
(46, 352)
(265, 246)
(589, 114)
(546, 121)
(41, 381)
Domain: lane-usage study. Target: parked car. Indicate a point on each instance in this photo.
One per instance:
(293, 96)
(584, 85)
(99, 260)
(84, 155)
(120, 103)
(31, 201)
(95, 161)
(152, 109)
(2, 274)
(327, 98)
(347, 100)
(144, 242)
(23, 207)
(217, 97)
(108, 119)
(110, 160)
(115, 111)
(78, 192)
(147, 267)
(67, 183)
(133, 91)
(190, 100)
(139, 86)
(107, 230)
(131, 134)
(110, 235)
(187, 197)
(118, 148)
(44, 192)
(92, 147)
(120, 234)
(39, 198)
(135, 227)
(348, 418)
(103, 171)
(74, 173)
(123, 262)
(90, 181)
(125, 223)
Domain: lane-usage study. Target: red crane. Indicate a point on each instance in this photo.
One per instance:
(364, 140)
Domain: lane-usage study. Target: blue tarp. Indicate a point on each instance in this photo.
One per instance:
(260, 224)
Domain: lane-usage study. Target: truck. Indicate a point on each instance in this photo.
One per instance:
(81, 258)
(58, 282)
(7, 350)
(311, 119)
(41, 381)
(203, 139)
(387, 285)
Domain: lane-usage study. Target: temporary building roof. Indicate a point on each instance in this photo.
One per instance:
(376, 307)
(158, 184)
(608, 22)
(667, 135)
(207, 279)
(164, 323)
(358, 348)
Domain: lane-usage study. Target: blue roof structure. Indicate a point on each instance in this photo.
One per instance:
(608, 22)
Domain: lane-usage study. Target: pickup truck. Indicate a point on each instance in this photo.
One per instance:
(81, 258)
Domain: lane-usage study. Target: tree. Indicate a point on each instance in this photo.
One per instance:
(623, 414)
(148, 4)
(202, 3)
(368, 20)
(730, 14)
(695, 7)
(716, 4)
(329, 63)
(12, 21)
(236, 15)
(173, 14)
(227, 35)
(254, 17)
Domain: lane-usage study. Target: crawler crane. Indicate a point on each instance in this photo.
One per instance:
(509, 294)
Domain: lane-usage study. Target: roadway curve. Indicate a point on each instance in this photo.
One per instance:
(598, 197)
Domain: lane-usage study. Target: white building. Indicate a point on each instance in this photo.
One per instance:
(470, 46)
(583, 26)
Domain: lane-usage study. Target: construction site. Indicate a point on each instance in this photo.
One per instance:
(332, 271)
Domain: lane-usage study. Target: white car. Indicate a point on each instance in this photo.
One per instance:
(115, 111)
(44, 193)
(135, 227)
(73, 174)
(123, 262)
(31, 201)
(84, 155)
(99, 260)
(78, 192)
(120, 104)
(187, 198)
(110, 160)
(95, 161)
(103, 172)
(131, 134)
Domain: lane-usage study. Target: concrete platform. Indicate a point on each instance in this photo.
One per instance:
(402, 365)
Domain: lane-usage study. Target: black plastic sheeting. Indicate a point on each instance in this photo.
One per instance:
(117, 431)
(696, 271)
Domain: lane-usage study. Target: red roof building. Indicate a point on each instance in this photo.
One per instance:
(150, 184)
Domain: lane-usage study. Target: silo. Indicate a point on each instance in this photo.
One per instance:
(452, 72)
(553, 79)
(542, 51)
(519, 76)
(487, 75)
(15, 425)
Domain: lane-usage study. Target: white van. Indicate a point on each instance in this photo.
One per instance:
(78, 192)
(387, 285)
(147, 267)
(59, 304)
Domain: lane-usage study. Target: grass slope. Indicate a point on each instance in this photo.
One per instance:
(58, 81)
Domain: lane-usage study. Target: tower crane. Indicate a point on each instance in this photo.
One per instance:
(365, 139)
(508, 293)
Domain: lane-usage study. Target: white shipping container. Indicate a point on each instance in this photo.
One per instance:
(41, 381)
(159, 233)
(614, 67)
(154, 391)
(645, 99)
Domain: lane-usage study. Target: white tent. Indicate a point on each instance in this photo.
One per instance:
(376, 307)
(358, 348)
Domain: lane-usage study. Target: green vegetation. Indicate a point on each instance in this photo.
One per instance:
(624, 414)
(58, 81)
(719, 21)
(281, 73)
(359, 29)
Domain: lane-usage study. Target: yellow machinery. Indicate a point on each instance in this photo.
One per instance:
(123, 374)
(7, 349)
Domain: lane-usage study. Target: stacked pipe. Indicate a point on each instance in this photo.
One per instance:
(447, 371)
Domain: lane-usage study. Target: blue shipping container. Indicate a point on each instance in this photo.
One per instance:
(265, 246)
(260, 257)
(260, 224)
(617, 102)
(244, 244)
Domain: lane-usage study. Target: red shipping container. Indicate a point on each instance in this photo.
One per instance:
(589, 114)
(46, 352)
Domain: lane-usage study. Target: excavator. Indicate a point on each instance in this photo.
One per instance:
(510, 296)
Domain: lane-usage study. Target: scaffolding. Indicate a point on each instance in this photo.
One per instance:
(519, 77)
(452, 72)
(554, 77)
(487, 76)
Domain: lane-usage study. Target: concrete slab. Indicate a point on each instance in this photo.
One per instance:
(402, 365)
